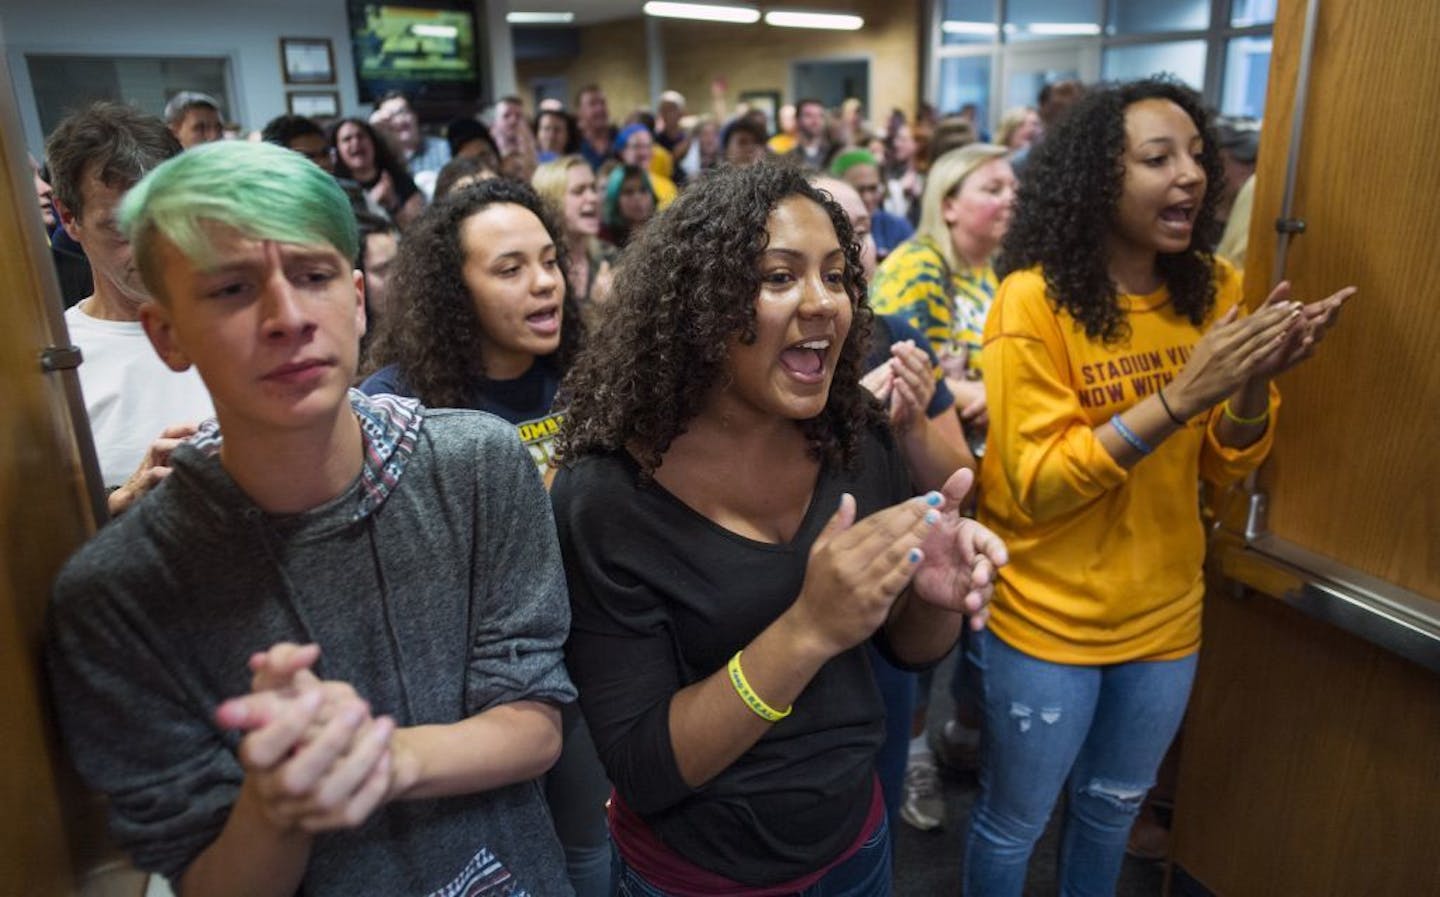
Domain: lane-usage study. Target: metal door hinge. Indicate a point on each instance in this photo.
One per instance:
(1255, 520)
(59, 358)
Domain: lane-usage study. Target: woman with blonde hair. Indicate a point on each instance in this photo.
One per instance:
(1019, 128)
(941, 280)
(568, 185)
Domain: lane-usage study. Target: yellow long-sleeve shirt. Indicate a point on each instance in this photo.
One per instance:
(1105, 564)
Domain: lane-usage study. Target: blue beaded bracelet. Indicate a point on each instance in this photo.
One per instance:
(1130, 436)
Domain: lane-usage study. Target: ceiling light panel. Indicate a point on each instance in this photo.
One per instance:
(785, 18)
(705, 12)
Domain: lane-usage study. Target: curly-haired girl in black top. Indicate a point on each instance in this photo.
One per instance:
(736, 523)
(1114, 335)
(481, 314)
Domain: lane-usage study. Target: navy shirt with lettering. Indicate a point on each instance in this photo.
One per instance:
(525, 401)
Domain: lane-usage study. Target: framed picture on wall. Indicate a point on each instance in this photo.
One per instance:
(307, 60)
(313, 103)
(768, 102)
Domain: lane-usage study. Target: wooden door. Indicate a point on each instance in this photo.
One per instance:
(1309, 758)
(1355, 475)
(51, 831)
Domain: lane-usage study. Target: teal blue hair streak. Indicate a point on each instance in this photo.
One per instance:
(261, 190)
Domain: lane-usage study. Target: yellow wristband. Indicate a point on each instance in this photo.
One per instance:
(1245, 421)
(747, 694)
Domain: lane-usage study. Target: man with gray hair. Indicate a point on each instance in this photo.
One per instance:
(668, 132)
(194, 118)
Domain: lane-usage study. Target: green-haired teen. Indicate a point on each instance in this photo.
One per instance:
(307, 662)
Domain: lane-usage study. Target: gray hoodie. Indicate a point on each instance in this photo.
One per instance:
(433, 585)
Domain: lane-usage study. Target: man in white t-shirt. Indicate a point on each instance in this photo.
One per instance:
(96, 156)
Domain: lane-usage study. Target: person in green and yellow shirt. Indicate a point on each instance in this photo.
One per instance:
(941, 280)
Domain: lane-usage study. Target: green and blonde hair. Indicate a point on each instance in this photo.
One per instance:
(263, 191)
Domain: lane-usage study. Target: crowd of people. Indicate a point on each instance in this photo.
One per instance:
(547, 503)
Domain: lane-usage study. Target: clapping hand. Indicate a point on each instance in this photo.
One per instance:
(904, 384)
(914, 384)
(1277, 336)
(313, 755)
(1305, 334)
(960, 558)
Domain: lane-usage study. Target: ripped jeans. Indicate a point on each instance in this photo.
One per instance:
(1100, 732)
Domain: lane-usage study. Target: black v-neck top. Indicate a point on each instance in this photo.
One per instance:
(662, 597)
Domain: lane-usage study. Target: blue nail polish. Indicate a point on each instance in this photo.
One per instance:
(932, 516)
(914, 556)
(932, 499)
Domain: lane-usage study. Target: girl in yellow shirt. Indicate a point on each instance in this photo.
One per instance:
(1120, 373)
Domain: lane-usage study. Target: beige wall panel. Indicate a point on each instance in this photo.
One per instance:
(760, 59)
(611, 55)
(749, 57)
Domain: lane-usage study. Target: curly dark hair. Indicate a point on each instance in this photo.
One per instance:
(282, 129)
(683, 288)
(385, 159)
(459, 168)
(431, 330)
(1068, 198)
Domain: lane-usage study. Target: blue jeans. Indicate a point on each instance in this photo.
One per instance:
(897, 692)
(865, 874)
(964, 682)
(1099, 731)
(965, 679)
(576, 790)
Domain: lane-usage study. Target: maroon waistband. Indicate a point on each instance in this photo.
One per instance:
(670, 872)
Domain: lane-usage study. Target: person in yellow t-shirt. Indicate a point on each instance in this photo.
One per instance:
(1121, 372)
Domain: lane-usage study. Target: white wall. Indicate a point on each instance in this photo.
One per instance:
(246, 32)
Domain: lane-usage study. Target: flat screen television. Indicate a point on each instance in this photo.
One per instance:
(425, 48)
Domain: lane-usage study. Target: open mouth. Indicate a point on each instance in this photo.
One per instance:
(805, 361)
(1180, 215)
(545, 322)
